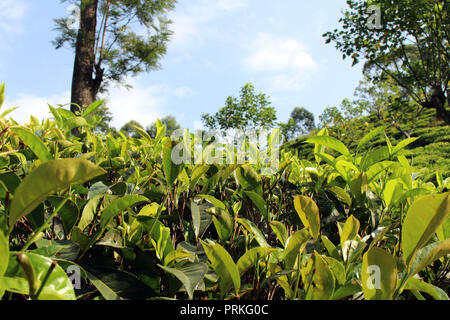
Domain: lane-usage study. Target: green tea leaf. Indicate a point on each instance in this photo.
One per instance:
(422, 220)
(57, 287)
(323, 279)
(403, 144)
(368, 137)
(294, 246)
(251, 257)
(191, 275)
(4, 254)
(281, 231)
(428, 254)
(308, 212)
(224, 266)
(253, 229)
(2, 94)
(48, 178)
(350, 229)
(420, 285)
(92, 107)
(114, 284)
(379, 275)
(171, 170)
(259, 203)
(119, 205)
(35, 144)
(329, 142)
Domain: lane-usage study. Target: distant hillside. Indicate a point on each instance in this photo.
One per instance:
(431, 151)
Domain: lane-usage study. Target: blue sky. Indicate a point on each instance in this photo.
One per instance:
(218, 46)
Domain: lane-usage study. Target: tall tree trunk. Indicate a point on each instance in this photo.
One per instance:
(84, 86)
(437, 102)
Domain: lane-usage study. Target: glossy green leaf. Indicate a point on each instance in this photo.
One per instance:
(337, 268)
(368, 137)
(171, 170)
(359, 185)
(196, 220)
(350, 229)
(215, 202)
(119, 205)
(329, 142)
(422, 220)
(112, 238)
(224, 266)
(308, 212)
(35, 144)
(428, 254)
(248, 178)
(69, 212)
(89, 211)
(352, 250)
(161, 240)
(223, 222)
(379, 275)
(392, 191)
(117, 285)
(294, 246)
(4, 253)
(92, 107)
(420, 285)
(331, 248)
(251, 257)
(403, 144)
(341, 195)
(197, 173)
(57, 287)
(191, 275)
(323, 280)
(2, 94)
(281, 231)
(443, 232)
(253, 229)
(76, 122)
(349, 289)
(48, 178)
(259, 202)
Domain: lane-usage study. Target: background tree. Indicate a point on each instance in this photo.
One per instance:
(410, 47)
(301, 122)
(171, 126)
(129, 129)
(389, 101)
(249, 111)
(106, 47)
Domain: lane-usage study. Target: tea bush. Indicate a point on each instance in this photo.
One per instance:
(347, 224)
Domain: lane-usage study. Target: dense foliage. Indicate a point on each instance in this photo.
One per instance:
(429, 153)
(349, 224)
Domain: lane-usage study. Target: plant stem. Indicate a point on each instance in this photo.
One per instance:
(46, 225)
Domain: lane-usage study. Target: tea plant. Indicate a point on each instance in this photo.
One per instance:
(136, 225)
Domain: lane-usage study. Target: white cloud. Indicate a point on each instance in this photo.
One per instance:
(284, 62)
(34, 105)
(140, 103)
(271, 53)
(197, 21)
(11, 12)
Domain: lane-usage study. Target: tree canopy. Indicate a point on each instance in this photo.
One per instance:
(250, 111)
(411, 46)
